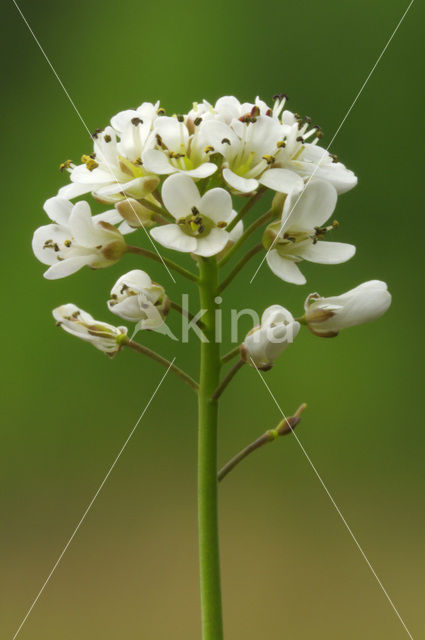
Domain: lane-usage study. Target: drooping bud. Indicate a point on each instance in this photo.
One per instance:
(325, 317)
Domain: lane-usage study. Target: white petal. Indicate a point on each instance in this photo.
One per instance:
(212, 244)
(66, 267)
(53, 233)
(73, 190)
(172, 237)
(82, 175)
(58, 209)
(281, 180)
(112, 216)
(310, 208)
(173, 133)
(285, 269)
(180, 194)
(214, 132)
(326, 252)
(316, 160)
(216, 204)
(157, 161)
(203, 171)
(243, 185)
(82, 227)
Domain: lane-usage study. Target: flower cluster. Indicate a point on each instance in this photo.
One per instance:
(178, 177)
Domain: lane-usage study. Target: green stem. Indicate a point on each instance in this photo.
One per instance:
(140, 348)
(269, 215)
(231, 354)
(242, 262)
(209, 555)
(146, 253)
(246, 208)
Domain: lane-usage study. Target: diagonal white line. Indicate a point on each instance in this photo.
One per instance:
(338, 510)
(335, 135)
(88, 130)
(102, 484)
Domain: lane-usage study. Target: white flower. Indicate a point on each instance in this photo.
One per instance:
(201, 221)
(327, 316)
(306, 159)
(77, 239)
(114, 169)
(177, 150)
(298, 235)
(248, 146)
(135, 297)
(79, 323)
(264, 344)
(228, 108)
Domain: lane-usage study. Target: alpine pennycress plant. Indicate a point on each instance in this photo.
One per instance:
(177, 177)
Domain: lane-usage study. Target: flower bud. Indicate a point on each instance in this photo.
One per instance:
(135, 214)
(136, 298)
(325, 317)
(79, 323)
(264, 343)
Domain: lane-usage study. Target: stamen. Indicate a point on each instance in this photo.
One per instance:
(96, 133)
(225, 141)
(197, 121)
(180, 118)
(136, 121)
(65, 165)
(208, 149)
(107, 138)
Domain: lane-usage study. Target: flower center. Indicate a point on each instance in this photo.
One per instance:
(197, 225)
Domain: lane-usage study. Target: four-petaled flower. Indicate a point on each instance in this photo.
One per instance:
(201, 222)
(298, 236)
(81, 324)
(76, 238)
(136, 298)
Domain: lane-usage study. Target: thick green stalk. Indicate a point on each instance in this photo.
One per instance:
(209, 555)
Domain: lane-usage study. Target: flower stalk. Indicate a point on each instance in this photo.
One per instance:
(286, 426)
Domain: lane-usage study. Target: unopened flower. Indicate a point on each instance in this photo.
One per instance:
(114, 169)
(76, 238)
(298, 236)
(200, 221)
(81, 324)
(264, 343)
(325, 317)
(135, 214)
(136, 298)
(173, 149)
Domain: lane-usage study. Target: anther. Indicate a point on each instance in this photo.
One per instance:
(269, 159)
(107, 138)
(281, 144)
(136, 121)
(300, 139)
(334, 157)
(195, 211)
(67, 243)
(208, 149)
(180, 118)
(225, 141)
(96, 133)
(65, 165)
(222, 224)
(197, 121)
(161, 111)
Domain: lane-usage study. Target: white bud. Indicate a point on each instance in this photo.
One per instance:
(135, 297)
(264, 343)
(81, 324)
(327, 316)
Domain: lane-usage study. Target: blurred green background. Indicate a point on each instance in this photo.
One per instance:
(290, 568)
